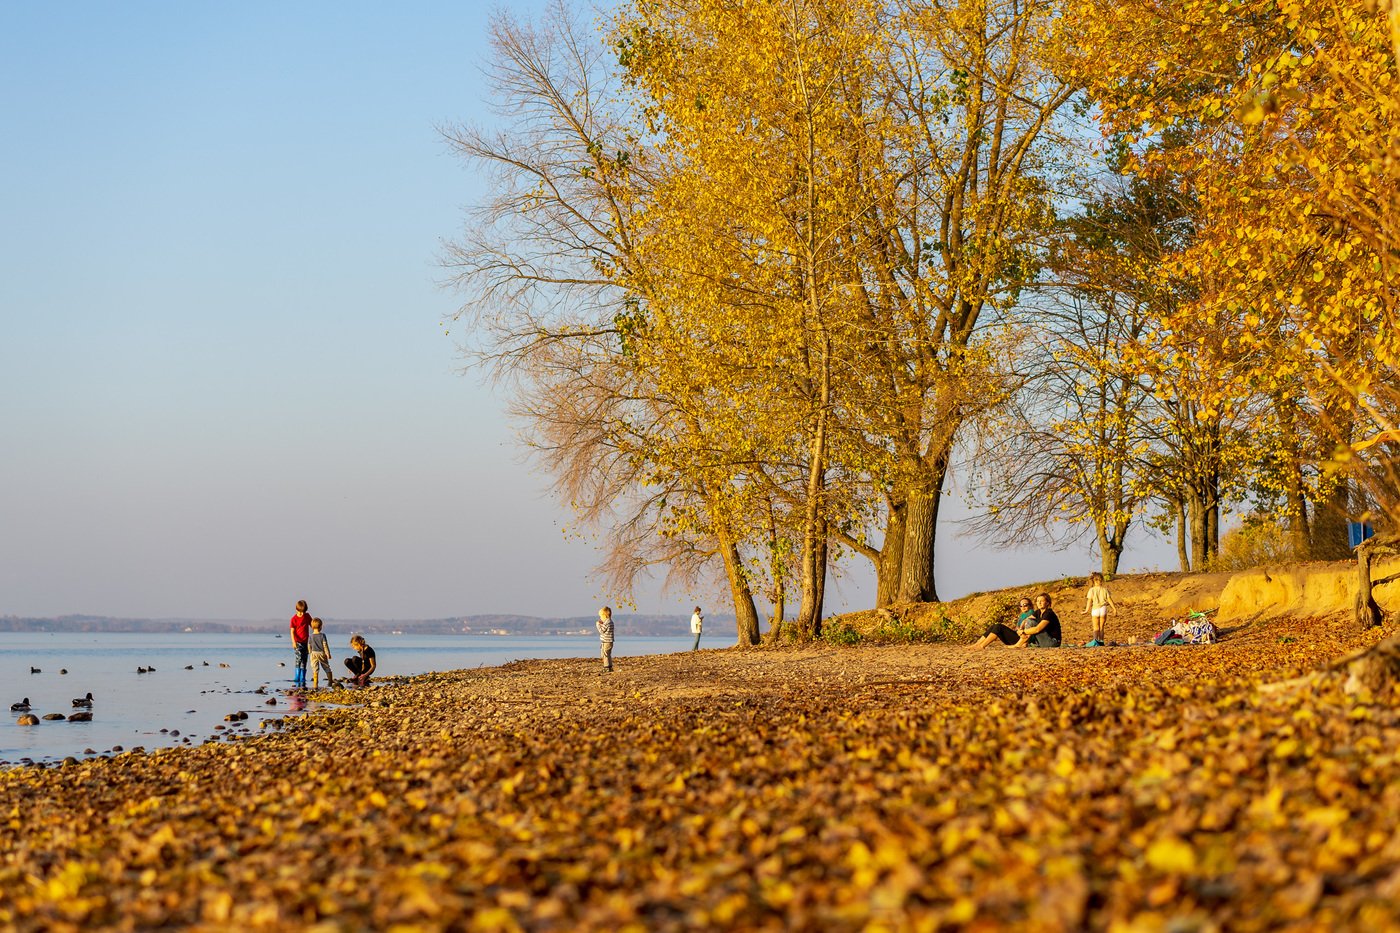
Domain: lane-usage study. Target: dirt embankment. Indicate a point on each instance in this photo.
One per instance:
(1147, 603)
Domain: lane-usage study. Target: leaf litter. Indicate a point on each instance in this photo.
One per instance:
(915, 787)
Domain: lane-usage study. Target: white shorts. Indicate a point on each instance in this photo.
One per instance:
(1098, 612)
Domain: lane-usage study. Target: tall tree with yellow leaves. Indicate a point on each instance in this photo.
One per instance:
(759, 108)
(1296, 121)
(556, 288)
(959, 168)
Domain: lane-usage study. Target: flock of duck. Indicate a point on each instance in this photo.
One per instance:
(82, 711)
(82, 705)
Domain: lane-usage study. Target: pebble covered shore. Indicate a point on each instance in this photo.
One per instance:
(902, 787)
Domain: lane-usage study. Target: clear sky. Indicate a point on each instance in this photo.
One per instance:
(224, 378)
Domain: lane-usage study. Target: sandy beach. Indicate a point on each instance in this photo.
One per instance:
(899, 787)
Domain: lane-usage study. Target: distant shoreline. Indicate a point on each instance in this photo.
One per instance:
(493, 625)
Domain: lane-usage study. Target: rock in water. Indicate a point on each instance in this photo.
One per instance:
(28, 719)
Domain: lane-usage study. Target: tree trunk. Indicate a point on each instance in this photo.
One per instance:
(916, 583)
(1368, 611)
(1200, 553)
(1329, 527)
(745, 613)
(813, 542)
(823, 548)
(1181, 538)
(1213, 519)
(1297, 512)
(778, 572)
(1110, 552)
(891, 557)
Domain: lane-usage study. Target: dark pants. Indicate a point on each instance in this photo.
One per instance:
(359, 671)
(697, 642)
(299, 663)
(1007, 634)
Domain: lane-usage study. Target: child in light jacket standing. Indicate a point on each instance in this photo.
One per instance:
(1097, 602)
(605, 636)
(697, 624)
(318, 648)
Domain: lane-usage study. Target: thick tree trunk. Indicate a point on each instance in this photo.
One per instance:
(1110, 552)
(891, 558)
(1368, 612)
(745, 613)
(916, 582)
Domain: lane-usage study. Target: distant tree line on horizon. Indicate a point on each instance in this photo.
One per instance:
(767, 276)
(633, 624)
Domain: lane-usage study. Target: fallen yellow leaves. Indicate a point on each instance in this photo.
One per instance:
(738, 794)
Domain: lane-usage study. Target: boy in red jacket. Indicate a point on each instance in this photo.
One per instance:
(300, 629)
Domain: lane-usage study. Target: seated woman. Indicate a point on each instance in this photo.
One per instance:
(1005, 633)
(363, 665)
(1045, 633)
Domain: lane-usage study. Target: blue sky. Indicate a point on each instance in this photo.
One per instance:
(224, 378)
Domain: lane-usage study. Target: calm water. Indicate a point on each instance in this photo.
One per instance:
(131, 709)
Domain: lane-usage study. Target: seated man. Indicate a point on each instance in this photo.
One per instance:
(363, 665)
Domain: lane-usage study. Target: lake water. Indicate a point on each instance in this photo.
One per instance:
(131, 709)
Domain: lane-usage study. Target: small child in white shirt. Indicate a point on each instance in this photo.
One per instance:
(1097, 601)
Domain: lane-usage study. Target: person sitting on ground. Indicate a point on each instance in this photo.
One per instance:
(1004, 633)
(361, 667)
(1045, 633)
